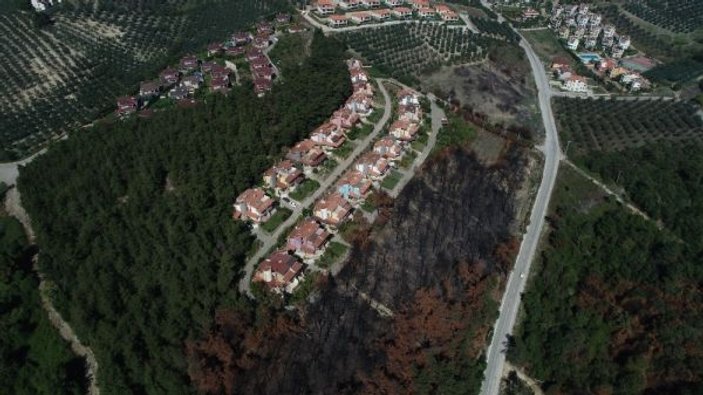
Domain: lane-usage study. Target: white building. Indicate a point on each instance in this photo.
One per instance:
(573, 43)
(575, 83)
(43, 5)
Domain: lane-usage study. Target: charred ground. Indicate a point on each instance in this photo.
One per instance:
(437, 264)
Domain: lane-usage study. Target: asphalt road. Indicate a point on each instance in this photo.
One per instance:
(516, 282)
(270, 240)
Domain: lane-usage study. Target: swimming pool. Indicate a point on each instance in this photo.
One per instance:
(588, 57)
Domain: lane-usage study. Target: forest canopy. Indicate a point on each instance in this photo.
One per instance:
(133, 218)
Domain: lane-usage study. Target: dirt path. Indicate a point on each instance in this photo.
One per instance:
(13, 206)
(532, 383)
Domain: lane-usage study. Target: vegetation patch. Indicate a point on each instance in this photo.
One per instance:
(333, 252)
(305, 189)
(360, 131)
(141, 278)
(276, 219)
(457, 132)
(406, 51)
(391, 180)
(34, 358)
(613, 125)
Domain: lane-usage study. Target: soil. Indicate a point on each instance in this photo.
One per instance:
(503, 93)
(407, 292)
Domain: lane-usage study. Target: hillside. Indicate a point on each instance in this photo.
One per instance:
(64, 74)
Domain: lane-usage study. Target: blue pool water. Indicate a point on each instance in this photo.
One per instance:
(588, 57)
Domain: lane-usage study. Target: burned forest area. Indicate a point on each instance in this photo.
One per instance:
(410, 312)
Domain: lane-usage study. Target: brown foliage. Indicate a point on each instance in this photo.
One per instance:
(235, 344)
(434, 324)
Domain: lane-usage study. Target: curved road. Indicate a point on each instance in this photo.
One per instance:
(271, 240)
(510, 304)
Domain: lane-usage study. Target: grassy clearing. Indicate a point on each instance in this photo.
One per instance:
(276, 219)
(547, 46)
(345, 150)
(368, 206)
(290, 50)
(333, 252)
(391, 180)
(456, 132)
(304, 189)
(408, 159)
(360, 131)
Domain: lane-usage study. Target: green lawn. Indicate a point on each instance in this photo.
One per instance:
(333, 252)
(375, 115)
(345, 150)
(276, 220)
(368, 206)
(408, 159)
(391, 180)
(456, 132)
(304, 190)
(360, 131)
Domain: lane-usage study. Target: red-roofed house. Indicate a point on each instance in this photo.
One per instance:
(344, 118)
(349, 4)
(404, 130)
(254, 53)
(264, 27)
(328, 135)
(219, 84)
(381, 14)
(234, 51)
(189, 63)
(214, 49)
(169, 76)
(372, 165)
(307, 239)
(283, 177)
(530, 13)
(360, 104)
(360, 16)
(282, 18)
(149, 89)
(371, 3)
(353, 185)
(575, 83)
(389, 148)
(449, 16)
(192, 83)
(262, 41)
(219, 71)
(264, 73)
(332, 210)
(280, 272)
(403, 12)
(337, 20)
(417, 4)
(426, 12)
(408, 96)
(254, 205)
(394, 3)
(307, 153)
(241, 38)
(127, 105)
(325, 7)
(410, 112)
(262, 85)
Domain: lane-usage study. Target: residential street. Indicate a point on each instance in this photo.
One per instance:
(518, 277)
(437, 115)
(270, 241)
(326, 29)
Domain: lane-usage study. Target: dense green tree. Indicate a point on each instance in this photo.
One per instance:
(141, 268)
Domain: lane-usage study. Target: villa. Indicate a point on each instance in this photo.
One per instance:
(280, 272)
(283, 177)
(349, 4)
(337, 20)
(332, 210)
(188, 63)
(307, 153)
(381, 14)
(325, 7)
(353, 185)
(253, 205)
(404, 130)
(214, 49)
(127, 105)
(388, 147)
(426, 12)
(402, 12)
(149, 89)
(360, 17)
(575, 83)
(169, 76)
(329, 135)
(307, 239)
(372, 164)
(359, 103)
(394, 3)
(262, 85)
(344, 118)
